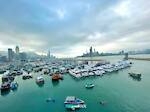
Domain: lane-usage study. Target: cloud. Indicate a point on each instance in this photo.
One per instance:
(69, 28)
(61, 13)
(122, 9)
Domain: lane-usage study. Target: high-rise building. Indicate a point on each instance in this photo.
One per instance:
(91, 51)
(126, 56)
(17, 49)
(48, 54)
(10, 54)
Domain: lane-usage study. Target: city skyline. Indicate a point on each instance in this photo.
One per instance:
(69, 28)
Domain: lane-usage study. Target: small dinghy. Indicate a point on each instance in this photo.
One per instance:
(89, 85)
(103, 103)
(50, 100)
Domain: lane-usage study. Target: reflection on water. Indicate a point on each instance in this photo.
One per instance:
(55, 82)
(15, 90)
(40, 84)
(136, 79)
(5, 92)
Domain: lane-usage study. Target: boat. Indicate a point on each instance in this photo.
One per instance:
(98, 70)
(103, 103)
(6, 78)
(89, 85)
(2, 71)
(19, 73)
(57, 76)
(39, 79)
(14, 85)
(5, 86)
(50, 100)
(135, 75)
(73, 103)
(26, 76)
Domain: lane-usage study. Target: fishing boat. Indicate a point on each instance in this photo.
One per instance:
(39, 79)
(57, 76)
(74, 103)
(89, 85)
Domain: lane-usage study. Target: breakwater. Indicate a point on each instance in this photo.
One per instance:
(136, 58)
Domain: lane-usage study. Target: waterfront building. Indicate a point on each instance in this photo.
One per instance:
(126, 56)
(17, 49)
(17, 54)
(48, 54)
(91, 51)
(10, 54)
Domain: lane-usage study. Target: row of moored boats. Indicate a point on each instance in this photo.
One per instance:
(98, 70)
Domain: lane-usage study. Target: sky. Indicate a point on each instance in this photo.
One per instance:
(69, 27)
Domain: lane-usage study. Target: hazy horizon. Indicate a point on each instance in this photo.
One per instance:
(68, 28)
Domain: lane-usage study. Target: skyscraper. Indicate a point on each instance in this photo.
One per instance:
(17, 49)
(10, 54)
(48, 54)
(91, 51)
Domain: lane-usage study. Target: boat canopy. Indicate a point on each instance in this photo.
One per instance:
(70, 98)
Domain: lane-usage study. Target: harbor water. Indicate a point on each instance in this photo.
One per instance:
(121, 92)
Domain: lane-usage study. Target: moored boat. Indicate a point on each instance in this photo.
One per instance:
(6, 78)
(74, 103)
(5, 86)
(40, 79)
(26, 76)
(57, 76)
(2, 71)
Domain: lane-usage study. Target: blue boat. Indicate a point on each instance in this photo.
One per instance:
(14, 85)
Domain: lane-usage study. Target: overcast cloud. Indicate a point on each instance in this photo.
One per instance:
(70, 27)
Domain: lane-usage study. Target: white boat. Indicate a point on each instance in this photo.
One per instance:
(91, 70)
(73, 103)
(39, 79)
(89, 85)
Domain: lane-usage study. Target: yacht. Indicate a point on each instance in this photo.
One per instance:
(5, 86)
(39, 79)
(27, 76)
